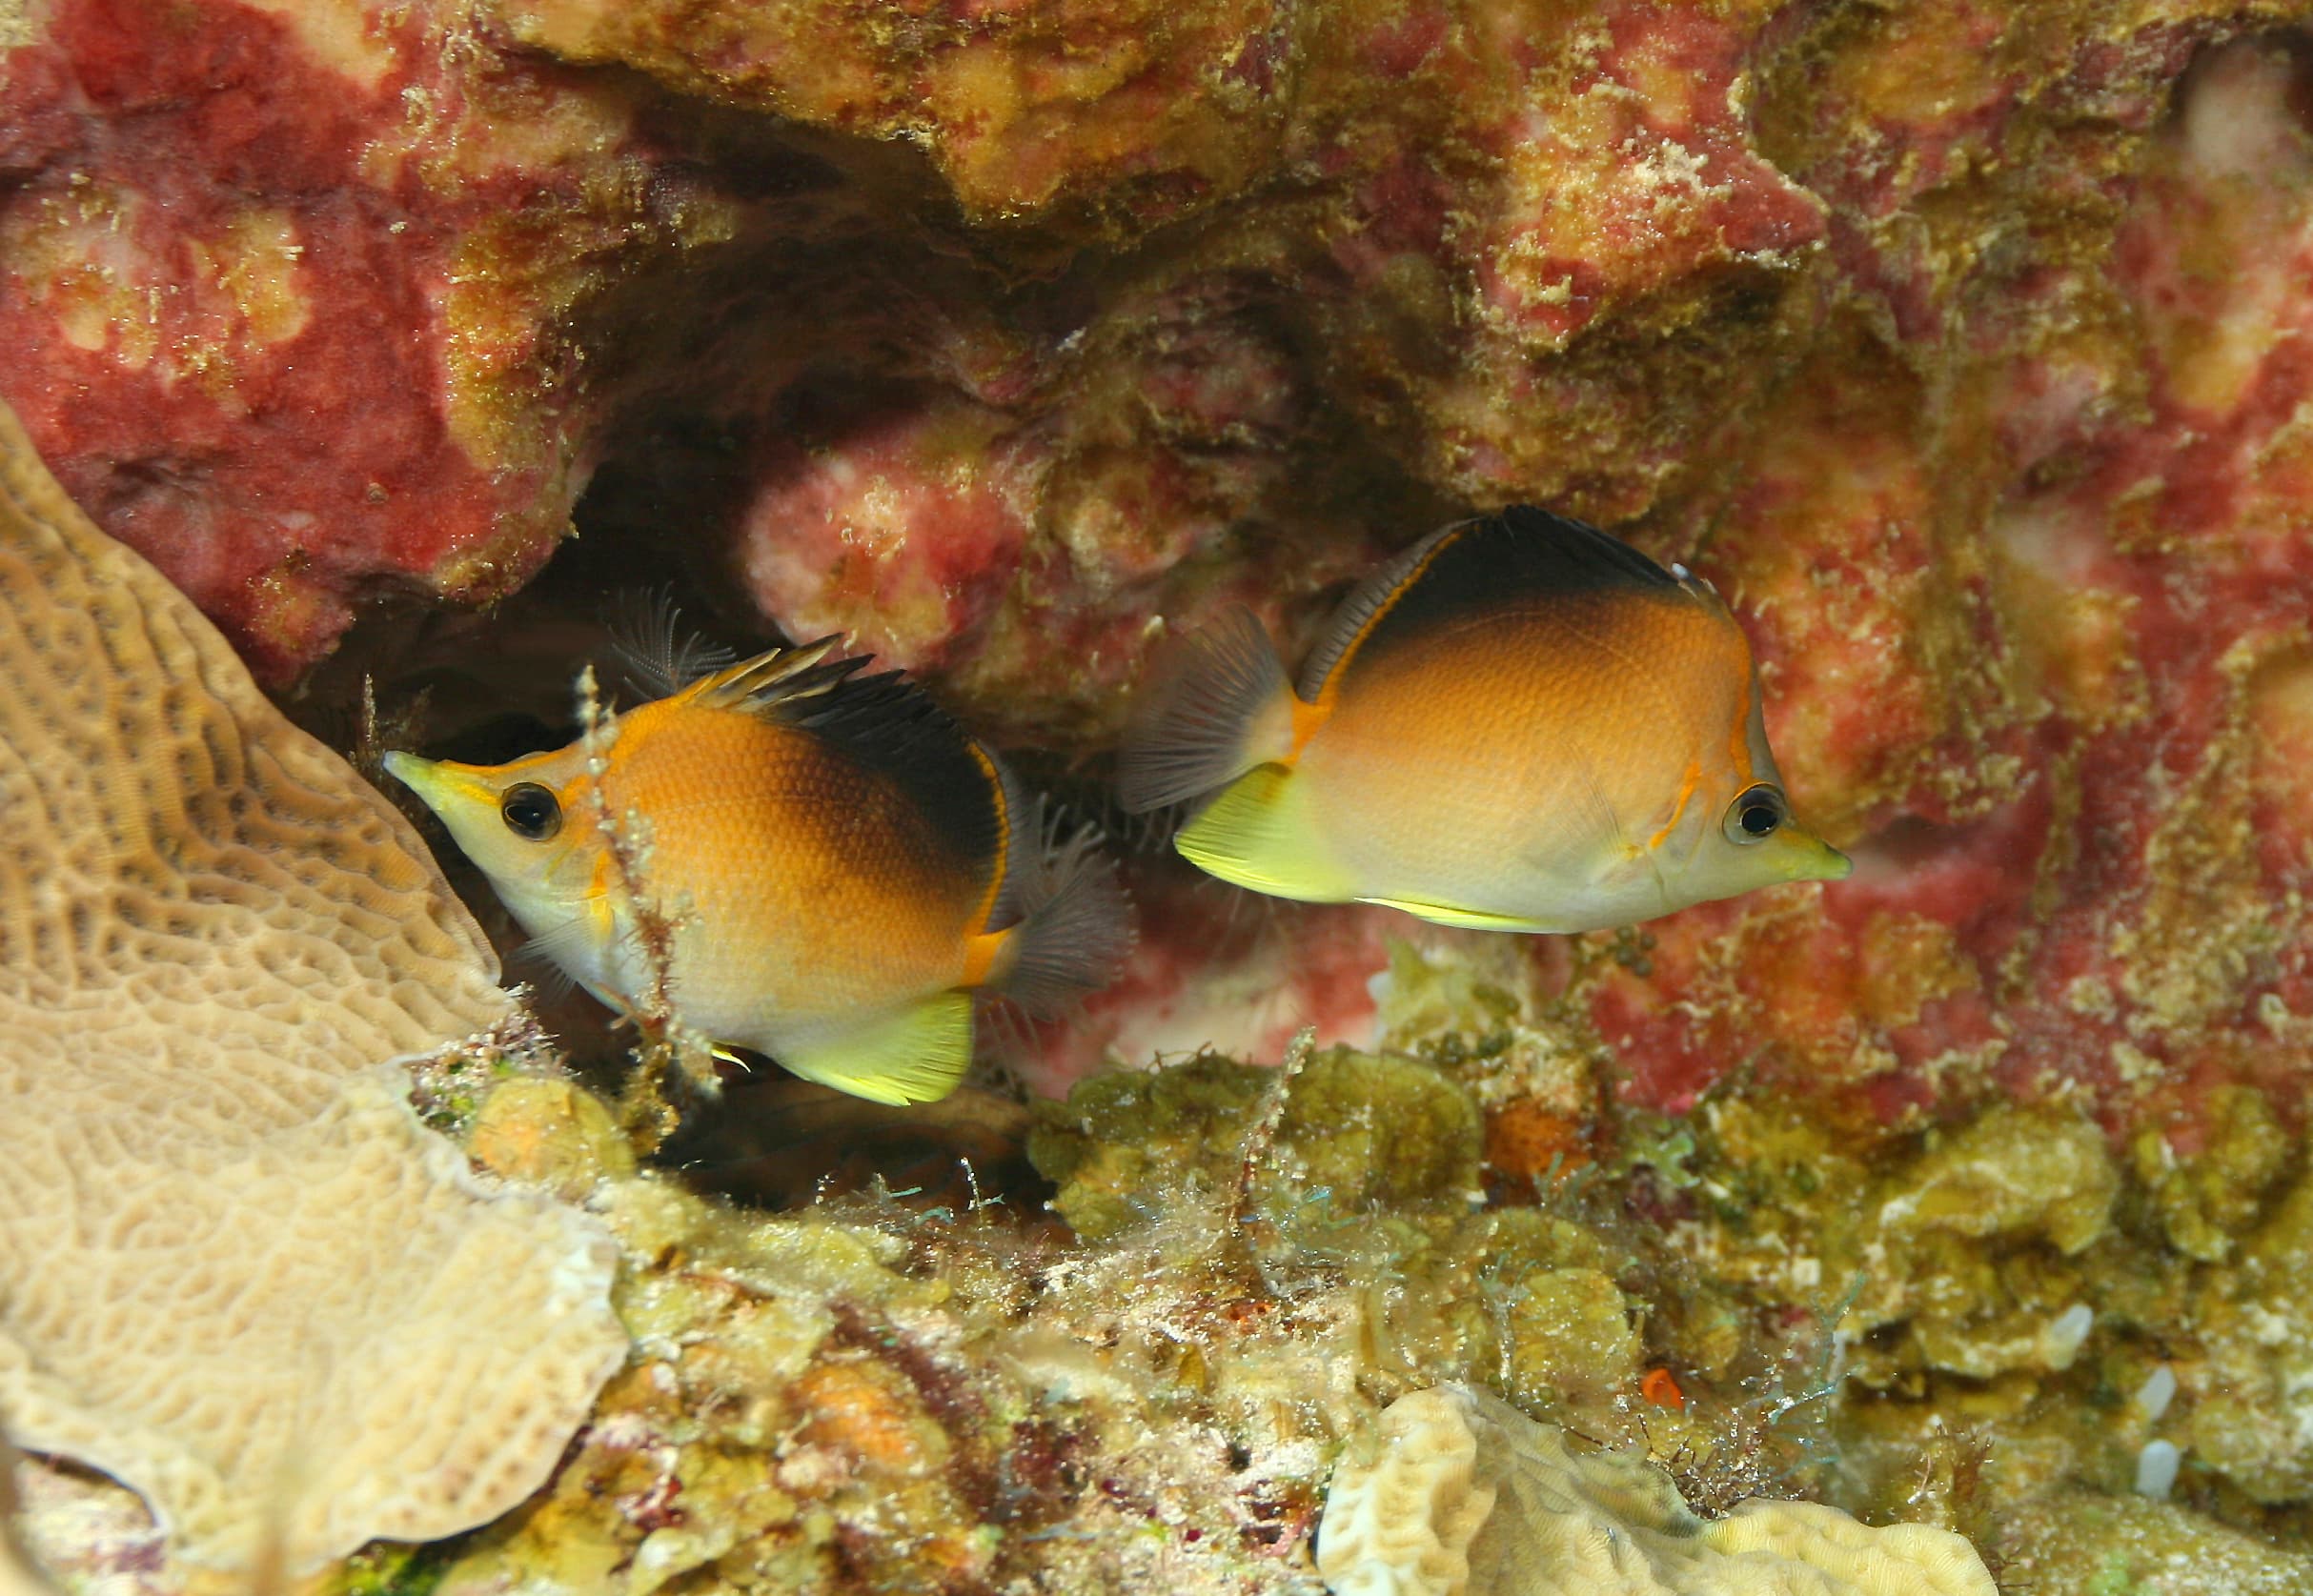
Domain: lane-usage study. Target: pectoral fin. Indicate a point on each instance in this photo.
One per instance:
(917, 1055)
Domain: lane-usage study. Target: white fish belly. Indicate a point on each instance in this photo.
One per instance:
(1539, 848)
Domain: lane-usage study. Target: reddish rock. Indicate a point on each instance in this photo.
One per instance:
(2051, 701)
(289, 296)
(1964, 347)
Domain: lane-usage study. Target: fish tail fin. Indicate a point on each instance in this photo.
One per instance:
(1217, 706)
(916, 1054)
(1074, 929)
(1261, 834)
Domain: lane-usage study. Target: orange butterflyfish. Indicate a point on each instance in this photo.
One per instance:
(844, 870)
(1519, 724)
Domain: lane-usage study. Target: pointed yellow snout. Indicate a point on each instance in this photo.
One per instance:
(447, 789)
(1814, 860)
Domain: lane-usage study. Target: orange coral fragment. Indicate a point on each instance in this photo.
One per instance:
(1526, 1139)
(1659, 1387)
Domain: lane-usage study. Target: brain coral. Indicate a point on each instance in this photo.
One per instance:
(1466, 1496)
(239, 1274)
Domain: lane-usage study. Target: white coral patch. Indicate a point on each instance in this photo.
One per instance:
(1459, 1494)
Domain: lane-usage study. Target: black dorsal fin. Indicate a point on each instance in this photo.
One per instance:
(885, 723)
(1476, 565)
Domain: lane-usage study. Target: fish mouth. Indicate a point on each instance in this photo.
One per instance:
(436, 784)
(1822, 862)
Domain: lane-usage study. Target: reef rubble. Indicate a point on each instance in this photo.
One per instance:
(870, 1394)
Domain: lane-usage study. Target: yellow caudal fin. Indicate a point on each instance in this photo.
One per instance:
(1471, 919)
(916, 1055)
(1259, 834)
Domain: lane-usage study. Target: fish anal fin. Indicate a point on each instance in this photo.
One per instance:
(917, 1054)
(1470, 919)
(1258, 834)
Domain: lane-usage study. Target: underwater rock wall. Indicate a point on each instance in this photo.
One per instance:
(294, 293)
(1961, 348)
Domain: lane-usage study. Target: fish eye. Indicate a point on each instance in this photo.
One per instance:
(530, 811)
(1755, 816)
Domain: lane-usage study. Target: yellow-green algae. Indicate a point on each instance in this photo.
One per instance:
(859, 1396)
(2073, 1540)
(864, 1397)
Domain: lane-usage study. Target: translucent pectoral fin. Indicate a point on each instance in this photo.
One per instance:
(1258, 834)
(917, 1055)
(1472, 920)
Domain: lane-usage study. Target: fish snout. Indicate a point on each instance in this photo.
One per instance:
(422, 776)
(1811, 858)
(446, 789)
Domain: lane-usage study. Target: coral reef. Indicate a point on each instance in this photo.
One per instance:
(1961, 350)
(2078, 1541)
(2256, 1386)
(870, 1394)
(1460, 1494)
(1964, 348)
(860, 1396)
(241, 1275)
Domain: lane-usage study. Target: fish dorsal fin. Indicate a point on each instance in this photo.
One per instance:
(775, 676)
(1478, 564)
(885, 723)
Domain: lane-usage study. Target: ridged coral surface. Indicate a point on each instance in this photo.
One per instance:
(1458, 1494)
(239, 1275)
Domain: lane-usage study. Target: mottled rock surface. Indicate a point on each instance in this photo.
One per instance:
(1961, 348)
(297, 291)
